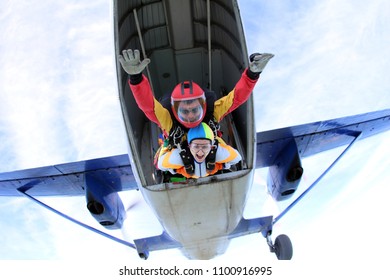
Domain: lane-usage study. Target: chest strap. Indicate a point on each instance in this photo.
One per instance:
(210, 159)
(188, 161)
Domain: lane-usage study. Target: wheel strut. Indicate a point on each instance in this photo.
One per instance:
(270, 242)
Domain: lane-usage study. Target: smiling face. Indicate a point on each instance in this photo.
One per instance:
(200, 148)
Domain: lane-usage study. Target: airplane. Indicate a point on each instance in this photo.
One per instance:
(211, 47)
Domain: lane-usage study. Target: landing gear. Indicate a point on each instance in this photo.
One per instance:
(282, 246)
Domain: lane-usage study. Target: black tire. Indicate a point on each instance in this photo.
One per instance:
(283, 247)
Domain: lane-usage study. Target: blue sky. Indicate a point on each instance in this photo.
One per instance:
(60, 104)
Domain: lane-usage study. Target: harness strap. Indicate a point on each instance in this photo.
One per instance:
(210, 159)
(215, 126)
(188, 161)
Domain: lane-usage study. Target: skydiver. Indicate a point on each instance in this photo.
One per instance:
(202, 146)
(188, 100)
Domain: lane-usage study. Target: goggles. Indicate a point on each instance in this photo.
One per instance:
(197, 147)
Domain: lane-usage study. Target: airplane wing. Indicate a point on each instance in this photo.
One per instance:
(69, 179)
(282, 149)
(99, 180)
(319, 136)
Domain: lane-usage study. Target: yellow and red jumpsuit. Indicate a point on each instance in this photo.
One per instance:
(155, 111)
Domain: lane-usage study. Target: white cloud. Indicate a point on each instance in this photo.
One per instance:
(325, 51)
(58, 83)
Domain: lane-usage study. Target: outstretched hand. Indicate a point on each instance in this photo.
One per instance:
(131, 62)
(259, 61)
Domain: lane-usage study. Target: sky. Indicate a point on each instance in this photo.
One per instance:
(59, 103)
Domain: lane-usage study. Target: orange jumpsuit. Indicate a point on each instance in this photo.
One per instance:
(226, 156)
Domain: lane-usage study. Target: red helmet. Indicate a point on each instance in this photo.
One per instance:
(188, 102)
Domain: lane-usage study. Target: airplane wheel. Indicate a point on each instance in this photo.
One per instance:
(283, 247)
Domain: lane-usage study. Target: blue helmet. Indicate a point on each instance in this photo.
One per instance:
(202, 131)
